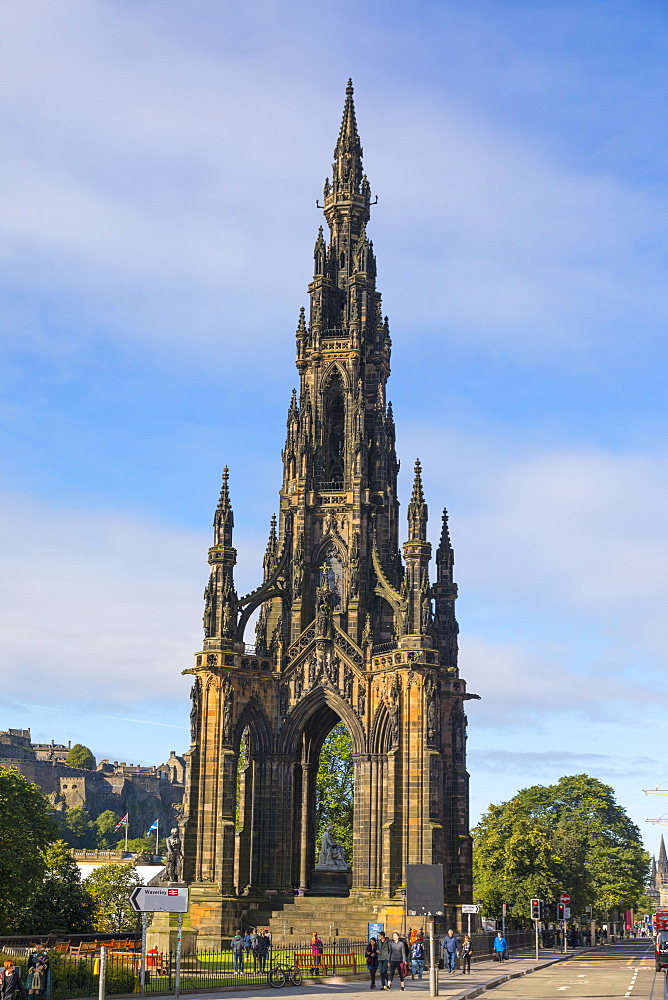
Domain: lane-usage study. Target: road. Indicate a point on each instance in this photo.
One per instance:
(622, 970)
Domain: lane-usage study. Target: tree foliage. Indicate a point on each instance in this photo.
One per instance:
(77, 829)
(105, 829)
(571, 836)
(110, 887)
(335, 788)
(60, 902)
(80, 756)
(26, 827)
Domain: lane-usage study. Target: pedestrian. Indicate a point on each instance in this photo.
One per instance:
(450, 950)
(467, 949)
(412, 936)
(372, 961)
(264, 947)
(38, 971)
(316, 955)
(417, 957)
(10, 983)
(383, 959)
(500, 947)
(238, 952)
(247, 944)
(256, 947)
(398, 959)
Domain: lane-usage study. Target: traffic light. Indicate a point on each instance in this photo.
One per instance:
(560, 911)
(535, 909)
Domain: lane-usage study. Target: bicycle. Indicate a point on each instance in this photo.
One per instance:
(280, 973)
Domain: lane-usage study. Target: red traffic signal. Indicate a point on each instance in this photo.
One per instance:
(560, 911)
(535, 909)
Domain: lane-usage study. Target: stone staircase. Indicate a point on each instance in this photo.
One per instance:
(331, 916)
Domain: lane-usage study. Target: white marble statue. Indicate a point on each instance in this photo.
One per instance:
(332, 855)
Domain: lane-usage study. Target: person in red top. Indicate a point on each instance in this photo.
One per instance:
(316, 953)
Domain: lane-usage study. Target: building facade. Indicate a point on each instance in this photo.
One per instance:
(352, 627)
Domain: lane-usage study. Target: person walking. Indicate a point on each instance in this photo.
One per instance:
(10, 983)
(372, 961)
(450, 950)
(256, 948)
(383, 959)
(316, 954)
(398, 959)
(265, 948)
(467, 949)
(238, 953)
(417, 957)
(500, 947)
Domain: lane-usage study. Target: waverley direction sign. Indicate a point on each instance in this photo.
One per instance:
(158, 899)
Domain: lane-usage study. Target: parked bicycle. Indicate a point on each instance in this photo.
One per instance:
(280, 973)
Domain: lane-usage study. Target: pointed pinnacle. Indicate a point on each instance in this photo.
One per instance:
(224, 500)
(418, 495)
(348, 133)
(445, 531)
(301, 325)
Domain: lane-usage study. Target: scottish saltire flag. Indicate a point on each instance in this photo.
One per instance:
(152, 828)
(121, 822)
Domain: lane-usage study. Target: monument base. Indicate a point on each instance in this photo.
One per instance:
(163, 930)
(330, 883)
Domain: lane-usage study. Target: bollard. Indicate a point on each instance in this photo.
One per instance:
(433, 962)
(103, 973)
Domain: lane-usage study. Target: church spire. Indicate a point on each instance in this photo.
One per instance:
(348, 197)
(663, 858)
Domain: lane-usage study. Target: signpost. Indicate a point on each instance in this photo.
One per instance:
(565, 899)
(425, 897)
(469, 908)
(158, 899)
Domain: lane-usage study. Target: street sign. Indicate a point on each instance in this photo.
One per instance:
(156, 899)
(469, 908)
(567, 913)
(375, 929)
(565, 898)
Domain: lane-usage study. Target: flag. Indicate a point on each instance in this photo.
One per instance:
(152, 828)
(121, 822)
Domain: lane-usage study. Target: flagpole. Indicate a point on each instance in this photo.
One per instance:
(127, 824)
(157, 829)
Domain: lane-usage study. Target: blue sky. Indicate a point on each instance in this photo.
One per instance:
(161, 163)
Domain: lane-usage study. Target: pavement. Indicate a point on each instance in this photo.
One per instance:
(485, 975)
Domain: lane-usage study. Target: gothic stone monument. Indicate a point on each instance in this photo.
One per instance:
(351, 629)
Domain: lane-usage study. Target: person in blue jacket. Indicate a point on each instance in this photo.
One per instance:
(450, 950)
(500, 947)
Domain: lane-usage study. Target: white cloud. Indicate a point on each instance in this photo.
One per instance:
(100, 609)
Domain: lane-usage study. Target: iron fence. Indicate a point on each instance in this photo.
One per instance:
(74, 974)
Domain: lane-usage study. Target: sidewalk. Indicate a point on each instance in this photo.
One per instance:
(485, 975)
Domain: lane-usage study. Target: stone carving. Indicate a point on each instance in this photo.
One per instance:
(228, 695)
(298, 565)
(430, 695)
(332, 855)
(361, 700)
(348, 685)
(283, 700)
(355, 564)
(324, 606)
(207, 616)
(367, 635)
(393, 706)
(174, 860)
(195, 697)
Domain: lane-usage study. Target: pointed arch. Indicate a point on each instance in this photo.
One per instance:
(328, 704)
(334, 368)
(254, 718)
(380, 737)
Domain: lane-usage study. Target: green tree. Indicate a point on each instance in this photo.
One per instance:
(110, 887)
(60, 901)
(513, 860)
(335, 788)
(571, 836)
(105, 826)
(26, 827)
(143, 845)
(80, 756)
(77, 828)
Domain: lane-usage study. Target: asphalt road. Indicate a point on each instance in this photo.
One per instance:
(624, 970)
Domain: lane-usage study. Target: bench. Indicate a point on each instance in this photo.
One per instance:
(328, 960)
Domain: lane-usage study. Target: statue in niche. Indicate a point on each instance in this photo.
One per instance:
(332, 854)
(174, 859)
(298, 685)
(284, 699)
(394, 695)
(228, 696)
(331, 575)
(324, 605)
(367, 634)
(355, 564)
(207, 616)
(298, 565)
(425, 615)
(348, 685)
(195, 696)
(361, 700)
(430, 692)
